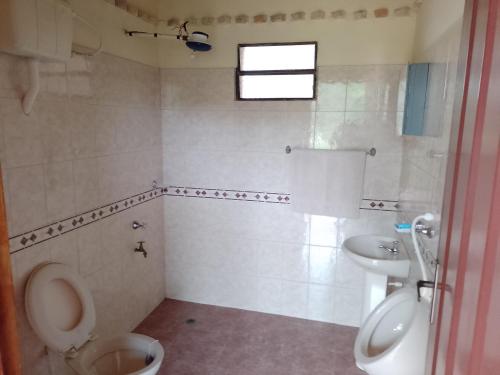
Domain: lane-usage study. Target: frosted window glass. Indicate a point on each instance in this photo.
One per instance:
(293, 86)
(284, 57)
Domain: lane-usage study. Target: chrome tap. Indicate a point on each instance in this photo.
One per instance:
(141, 249)
(426, 230)
(137, 225)
(393, 250)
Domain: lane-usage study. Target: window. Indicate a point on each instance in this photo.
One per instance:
(276, 71)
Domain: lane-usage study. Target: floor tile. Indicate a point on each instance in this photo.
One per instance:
(211, 340)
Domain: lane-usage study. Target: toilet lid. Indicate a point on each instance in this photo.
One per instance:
(59, 306)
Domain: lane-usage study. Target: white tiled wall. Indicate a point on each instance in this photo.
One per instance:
(425, 157)
(94, 137)
(263, 256)
(97, 135)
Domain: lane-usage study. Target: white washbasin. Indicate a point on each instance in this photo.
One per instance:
(364, 250)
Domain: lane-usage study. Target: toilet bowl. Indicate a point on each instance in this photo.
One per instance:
(61, 311)
(393, 339)
(125, 354)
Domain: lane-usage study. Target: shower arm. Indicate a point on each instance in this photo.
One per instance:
(145, 34)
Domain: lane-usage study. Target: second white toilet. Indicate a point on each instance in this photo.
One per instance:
(61, 311)
(393, 339)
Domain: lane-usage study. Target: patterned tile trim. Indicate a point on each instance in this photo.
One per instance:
(226, 194)
(58, 228)
(262, 196)
(379, 205)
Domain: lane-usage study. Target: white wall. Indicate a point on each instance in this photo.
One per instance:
(264, 256)
(438, 34)
(341, 42)
(111, 21)
(91, 143)
(437, 23)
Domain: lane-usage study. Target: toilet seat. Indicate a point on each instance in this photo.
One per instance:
(60, 307)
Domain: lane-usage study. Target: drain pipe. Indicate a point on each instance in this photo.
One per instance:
(30, 95)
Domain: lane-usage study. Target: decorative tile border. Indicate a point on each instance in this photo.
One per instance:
(379, 205)
(61, 227)
(134, 10)
(262, 17)
(302, 15)
(227, 194)
(263, 196)
(58, 228)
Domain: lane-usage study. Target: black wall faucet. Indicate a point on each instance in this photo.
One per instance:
(141, 249)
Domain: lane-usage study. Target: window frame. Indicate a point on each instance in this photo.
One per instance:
(239, 72)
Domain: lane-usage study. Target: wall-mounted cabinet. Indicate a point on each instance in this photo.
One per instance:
(416, 99)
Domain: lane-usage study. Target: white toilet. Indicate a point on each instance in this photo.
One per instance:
(393, 339)
(61, 311)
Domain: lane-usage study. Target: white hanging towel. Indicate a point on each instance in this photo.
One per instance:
(327, 182)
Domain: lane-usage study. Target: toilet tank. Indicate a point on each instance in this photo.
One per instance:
(36, 28)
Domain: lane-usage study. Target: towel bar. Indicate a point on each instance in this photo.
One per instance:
(370, 152)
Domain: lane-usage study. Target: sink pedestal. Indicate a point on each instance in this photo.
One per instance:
(375, 292)
(377, 256)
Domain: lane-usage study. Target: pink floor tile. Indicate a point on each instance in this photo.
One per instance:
(224, 341)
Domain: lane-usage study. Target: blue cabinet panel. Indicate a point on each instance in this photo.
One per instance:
(416, 96)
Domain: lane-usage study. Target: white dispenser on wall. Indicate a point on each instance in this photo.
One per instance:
(38, 29)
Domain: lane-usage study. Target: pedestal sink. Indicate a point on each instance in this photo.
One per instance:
(366, 251)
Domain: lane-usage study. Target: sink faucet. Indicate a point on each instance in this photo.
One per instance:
(141, 249)
(393, 250)
(427, 230)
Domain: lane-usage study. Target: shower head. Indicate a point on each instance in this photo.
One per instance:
(198, 42)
